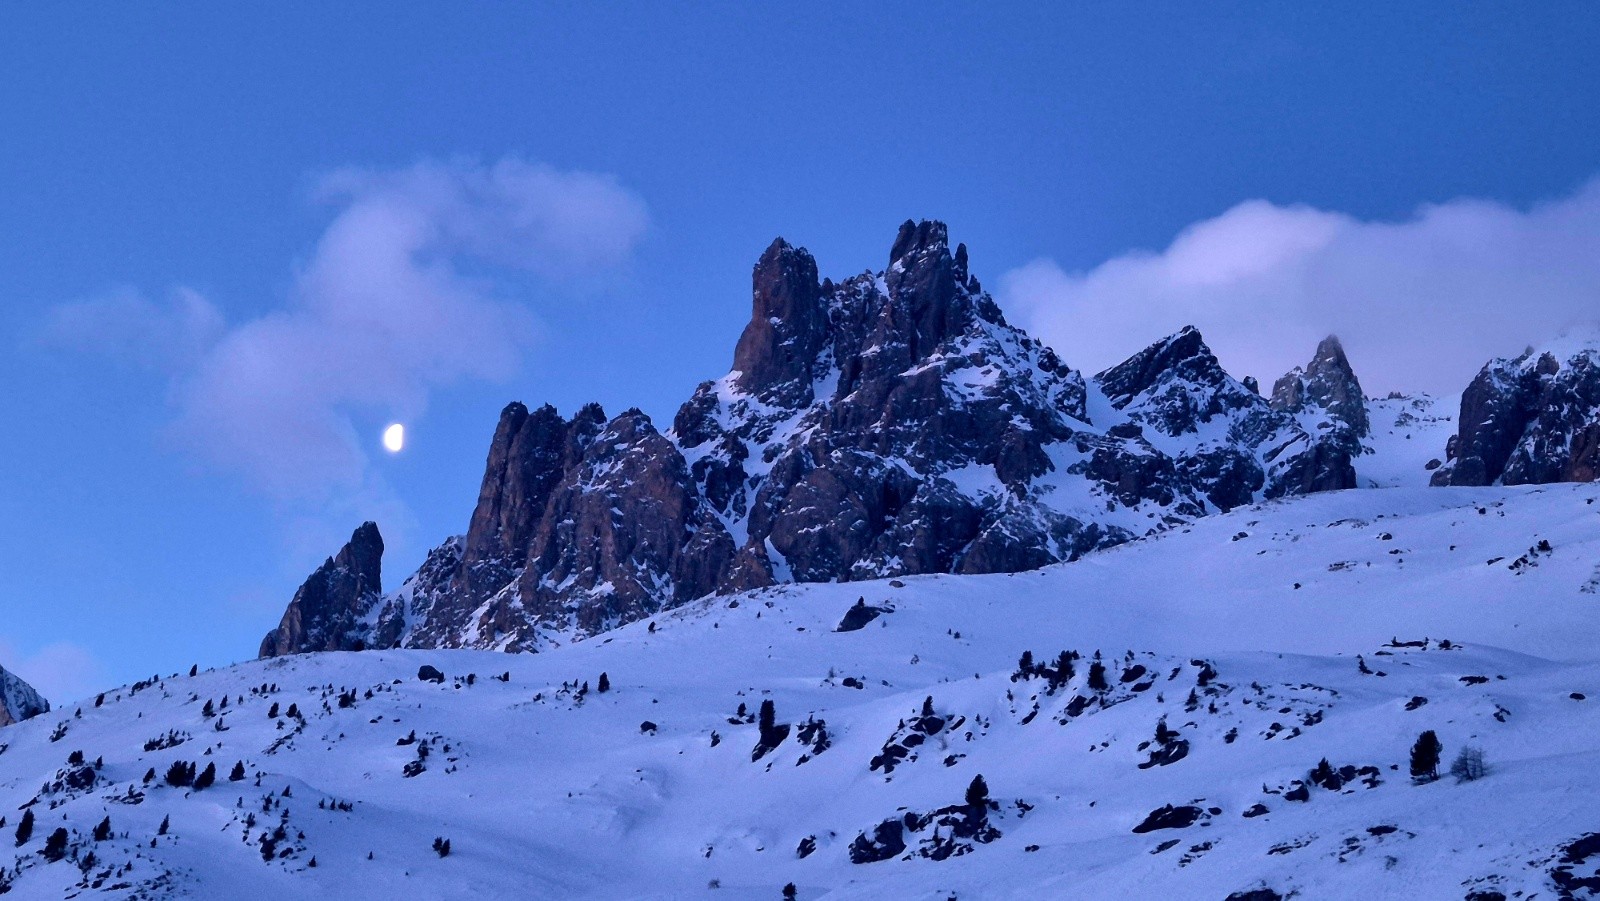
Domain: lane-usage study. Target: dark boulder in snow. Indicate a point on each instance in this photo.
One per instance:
(1169, 817)
(859, 614)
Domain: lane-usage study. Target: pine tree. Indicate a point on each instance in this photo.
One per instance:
(166, 823)
(1097, 677)
(604, 684)
(237, 773)
(1425, 757)
(1064, 666)
(180, 774)
(25, 828)
(102, 832)
(768, 718)
(206, 778)
(978, 792)
(55, 847)
(210, 710)
(1025, 663)
(1164, 735)
(790, 892)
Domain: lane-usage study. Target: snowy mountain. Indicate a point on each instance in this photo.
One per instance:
(1226, 709)
(1530, 420)
(890, 424)
(18, 700)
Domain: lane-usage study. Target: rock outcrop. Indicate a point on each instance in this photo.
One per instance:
(1529, 420)
(18, 700)
(333, 610)
(1328, 396)
(889, 424)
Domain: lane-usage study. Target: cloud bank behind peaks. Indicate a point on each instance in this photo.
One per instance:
(1420, 304)
(415, 284)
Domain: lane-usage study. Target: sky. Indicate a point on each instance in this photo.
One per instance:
(236, 243)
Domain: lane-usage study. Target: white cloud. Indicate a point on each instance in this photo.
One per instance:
(126, 326)
(409, 289)
(1420, 304)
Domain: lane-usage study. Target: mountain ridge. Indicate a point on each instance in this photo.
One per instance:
(889, 424)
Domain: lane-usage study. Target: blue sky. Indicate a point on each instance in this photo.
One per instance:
(186, 193)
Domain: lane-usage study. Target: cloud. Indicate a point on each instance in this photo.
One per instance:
(419, 282)
(125, 326)
(1420, 304)
(62, 671)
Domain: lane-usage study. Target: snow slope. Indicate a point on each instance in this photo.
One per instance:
(1259, 638)
(1408, 432)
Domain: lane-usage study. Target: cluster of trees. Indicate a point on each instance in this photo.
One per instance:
(1428, 751)
(1057, 674)
(182, 774)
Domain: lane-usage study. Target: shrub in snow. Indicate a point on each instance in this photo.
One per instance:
(1468, 765)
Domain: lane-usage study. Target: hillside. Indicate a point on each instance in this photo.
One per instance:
(1260, 637)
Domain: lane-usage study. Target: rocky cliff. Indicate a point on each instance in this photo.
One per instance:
(1530, 420)
(891, 423)
(1327, 396)
(333, 610)
(18, 700)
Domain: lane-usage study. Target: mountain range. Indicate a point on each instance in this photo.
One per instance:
(905, 606)
(893, 424)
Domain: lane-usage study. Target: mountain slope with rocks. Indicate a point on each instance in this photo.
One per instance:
(18, 700)
(1533, 419)
(1226, 709)
(890, 424)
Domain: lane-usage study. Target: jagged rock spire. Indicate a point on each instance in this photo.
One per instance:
(326, 612)
(1327, 383)
(788, 326)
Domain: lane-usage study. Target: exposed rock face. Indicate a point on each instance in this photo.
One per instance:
(1529, 420)
(330, 611)
(1237, 447)
(1328, 390)
(889, 424)
(18, 700)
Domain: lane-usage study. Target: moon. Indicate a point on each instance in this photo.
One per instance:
(394, 438)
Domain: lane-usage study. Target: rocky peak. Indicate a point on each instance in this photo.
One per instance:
(18, 700)
(1530, 420)
(1177, 387)
(788, 326)
(1181, 357)
(528, 456)
(891, 423)
(929, 302)
(327, 612)
(1327, 384)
